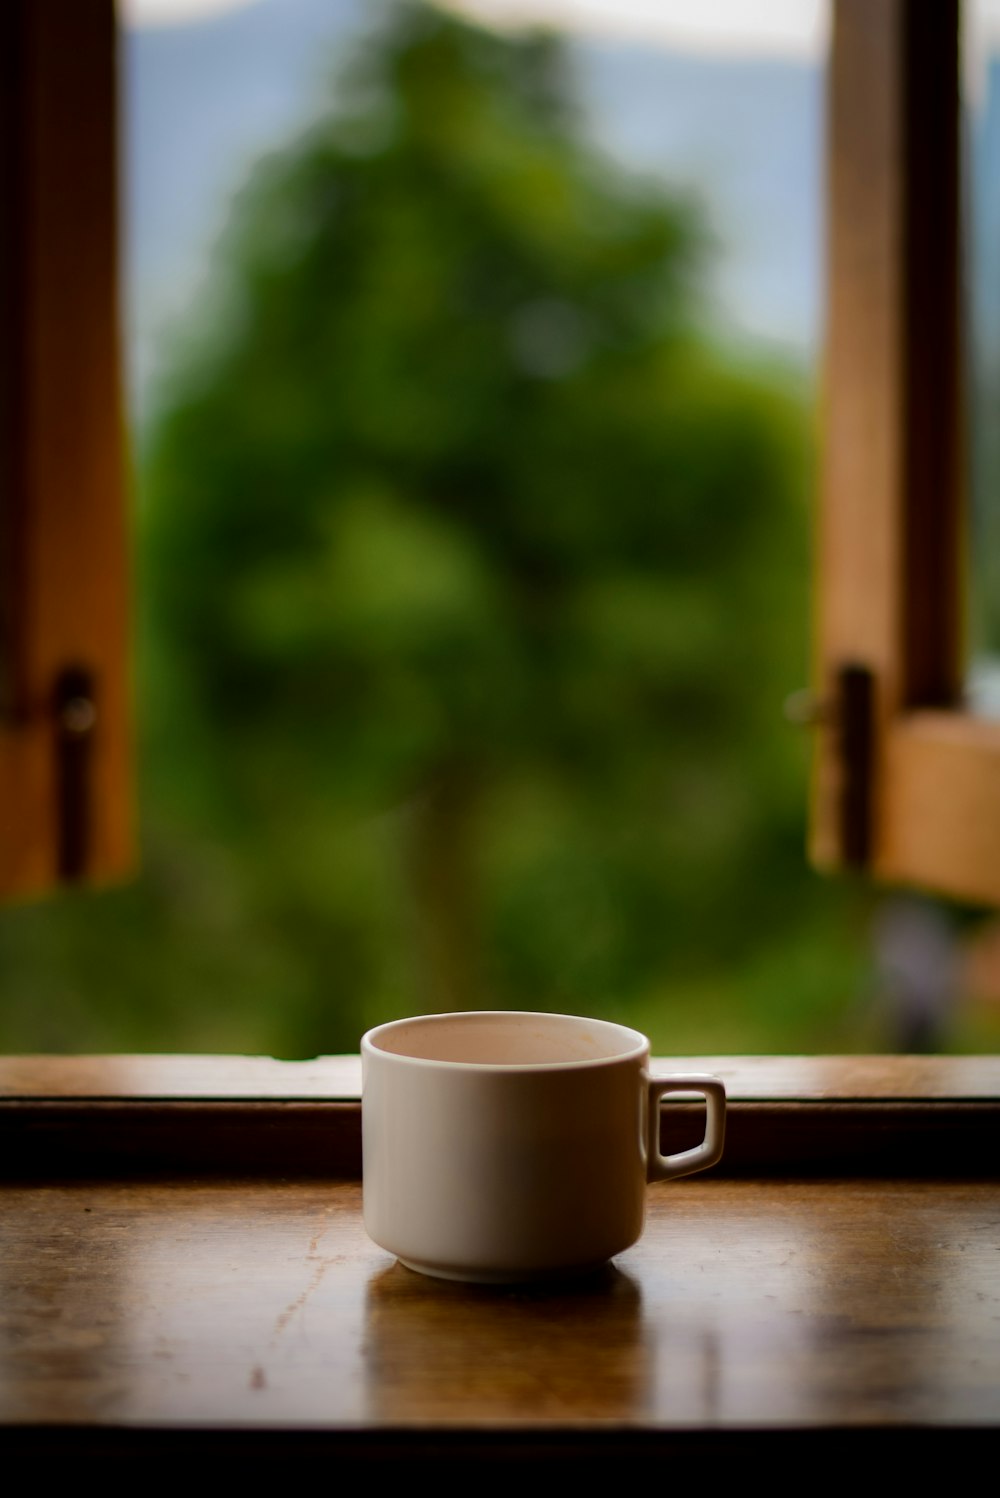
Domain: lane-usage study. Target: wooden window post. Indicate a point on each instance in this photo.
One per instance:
(907, 781)
(65, 799)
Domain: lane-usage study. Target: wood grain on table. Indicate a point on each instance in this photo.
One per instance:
(746, 1304)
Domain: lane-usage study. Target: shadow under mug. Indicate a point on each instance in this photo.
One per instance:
(502, 1146)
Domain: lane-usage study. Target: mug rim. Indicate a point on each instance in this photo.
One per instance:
(638, 1050)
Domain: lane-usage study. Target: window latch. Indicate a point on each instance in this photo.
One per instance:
(75, 714)
(855, 726)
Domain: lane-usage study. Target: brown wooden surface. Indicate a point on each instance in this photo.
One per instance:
(891, 535)
(62, 506)
(746, 1305)
(858, 551)
(941, 820)
(251, 1321)
(862, 411)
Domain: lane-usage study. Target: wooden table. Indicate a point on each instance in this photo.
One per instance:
(151, 1309)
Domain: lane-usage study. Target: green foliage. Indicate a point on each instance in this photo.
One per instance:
(474, 580)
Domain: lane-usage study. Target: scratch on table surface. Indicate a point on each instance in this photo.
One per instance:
(322, 1265)
(313, 1248)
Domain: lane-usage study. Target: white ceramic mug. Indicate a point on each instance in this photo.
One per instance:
(502, 1146)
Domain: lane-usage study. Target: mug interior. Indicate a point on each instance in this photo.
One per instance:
(507, 1038)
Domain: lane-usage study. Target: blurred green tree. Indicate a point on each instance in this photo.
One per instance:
(473, 582)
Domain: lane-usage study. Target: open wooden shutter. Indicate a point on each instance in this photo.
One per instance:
(907, 780)
(65, 783)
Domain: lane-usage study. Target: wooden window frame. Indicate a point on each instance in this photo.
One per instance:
(65, 752)
(907, 782)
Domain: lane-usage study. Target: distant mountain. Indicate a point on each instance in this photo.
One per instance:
(202, 101)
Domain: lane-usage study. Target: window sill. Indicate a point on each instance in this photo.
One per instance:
(188, 1280)
(211, 1115)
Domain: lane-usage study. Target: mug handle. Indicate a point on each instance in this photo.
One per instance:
(668, 1167)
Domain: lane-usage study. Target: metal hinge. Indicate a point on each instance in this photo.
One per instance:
(849, 715)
